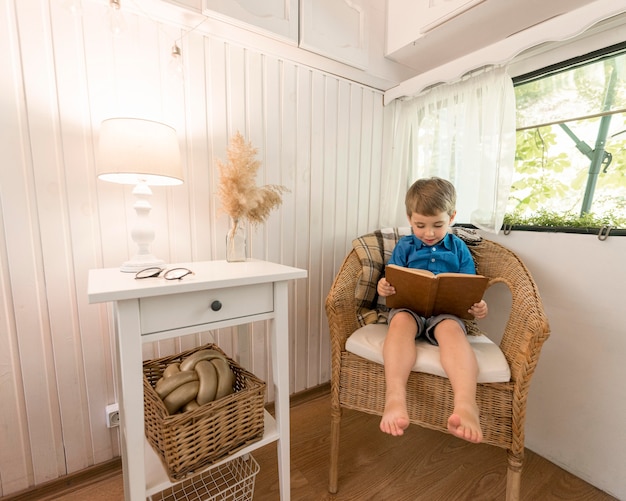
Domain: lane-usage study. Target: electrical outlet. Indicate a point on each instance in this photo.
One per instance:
(112, 415)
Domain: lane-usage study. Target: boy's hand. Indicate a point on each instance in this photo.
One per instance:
(479, 310)
(384, 288)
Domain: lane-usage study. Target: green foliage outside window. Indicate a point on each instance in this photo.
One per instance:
(571, 148)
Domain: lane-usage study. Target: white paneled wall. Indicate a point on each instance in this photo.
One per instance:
(319, 135)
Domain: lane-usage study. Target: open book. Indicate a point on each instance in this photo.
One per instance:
(428, 294)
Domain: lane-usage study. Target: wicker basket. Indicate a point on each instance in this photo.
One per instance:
(192, 440)
(231, 481)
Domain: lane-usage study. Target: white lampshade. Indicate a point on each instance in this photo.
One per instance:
(141, 153)
(134, 150)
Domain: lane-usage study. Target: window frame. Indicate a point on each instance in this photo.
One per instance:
(597, 155)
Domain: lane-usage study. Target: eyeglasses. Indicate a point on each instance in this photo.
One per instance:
(172, 274)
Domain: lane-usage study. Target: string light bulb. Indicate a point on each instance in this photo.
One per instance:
(117, 22)
(175, 65)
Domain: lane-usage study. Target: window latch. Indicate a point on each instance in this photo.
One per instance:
(603, 233)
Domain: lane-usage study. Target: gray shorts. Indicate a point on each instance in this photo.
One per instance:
(426, 326)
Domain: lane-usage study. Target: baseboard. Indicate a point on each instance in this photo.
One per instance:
(304, 396)
(309, 394)
(69, 483)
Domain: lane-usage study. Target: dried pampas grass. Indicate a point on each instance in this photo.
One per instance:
(241, 198)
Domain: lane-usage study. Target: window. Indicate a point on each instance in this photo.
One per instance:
(571, 143)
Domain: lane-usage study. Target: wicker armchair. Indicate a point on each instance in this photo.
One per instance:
(357, 383)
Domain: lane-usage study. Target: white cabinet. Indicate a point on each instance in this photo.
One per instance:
(337, 29)
(425, 34)
(408, 20)
(434, 12)
(274, 18)
(220, 294)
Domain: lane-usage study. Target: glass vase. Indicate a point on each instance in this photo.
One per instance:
(236, 241)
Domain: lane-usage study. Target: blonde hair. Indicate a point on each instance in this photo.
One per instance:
(430, 196)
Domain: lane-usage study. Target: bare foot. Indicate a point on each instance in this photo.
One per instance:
(464, 423)
(395, 417)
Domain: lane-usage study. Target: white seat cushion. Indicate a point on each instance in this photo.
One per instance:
(367, 342)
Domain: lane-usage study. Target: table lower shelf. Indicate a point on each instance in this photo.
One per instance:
(157, 479)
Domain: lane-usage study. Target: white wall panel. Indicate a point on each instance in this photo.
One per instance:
(16, 468)
(317, 134)
(25, 238)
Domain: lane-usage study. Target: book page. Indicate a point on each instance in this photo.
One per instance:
(416, 271)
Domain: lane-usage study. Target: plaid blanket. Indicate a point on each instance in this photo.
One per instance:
(374, 250)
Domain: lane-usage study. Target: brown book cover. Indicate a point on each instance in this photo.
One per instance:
(428, 294)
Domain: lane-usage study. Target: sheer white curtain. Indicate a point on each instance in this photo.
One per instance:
(463, 132)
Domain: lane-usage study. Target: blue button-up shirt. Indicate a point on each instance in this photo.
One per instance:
(449, 255)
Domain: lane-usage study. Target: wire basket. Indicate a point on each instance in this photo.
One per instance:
(231, 481)
(193, 440)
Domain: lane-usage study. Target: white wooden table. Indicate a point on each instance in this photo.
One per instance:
(153, 309)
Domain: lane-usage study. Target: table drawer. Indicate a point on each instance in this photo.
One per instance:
(162, 313)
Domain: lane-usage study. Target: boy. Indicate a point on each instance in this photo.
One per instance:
(430, 207)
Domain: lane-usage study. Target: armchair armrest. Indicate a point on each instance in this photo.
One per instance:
(527, 326)
(341, 303)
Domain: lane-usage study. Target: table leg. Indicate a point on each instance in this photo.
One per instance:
(130, 381)
(279, 333)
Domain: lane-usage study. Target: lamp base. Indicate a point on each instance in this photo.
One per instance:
(142, 262)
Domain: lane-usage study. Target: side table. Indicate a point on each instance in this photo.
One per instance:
(154, 309)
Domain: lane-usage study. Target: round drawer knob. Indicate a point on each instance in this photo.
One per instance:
(216, 305)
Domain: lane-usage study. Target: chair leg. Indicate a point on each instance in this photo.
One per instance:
(335, 424)
(514, 476)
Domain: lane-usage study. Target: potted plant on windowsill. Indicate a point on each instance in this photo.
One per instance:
(548, 221)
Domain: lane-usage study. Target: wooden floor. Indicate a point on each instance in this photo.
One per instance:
(422, 465)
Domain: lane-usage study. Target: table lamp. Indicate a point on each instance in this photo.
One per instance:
(142, 153)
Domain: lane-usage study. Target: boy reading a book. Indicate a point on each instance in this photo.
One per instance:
(430, 207)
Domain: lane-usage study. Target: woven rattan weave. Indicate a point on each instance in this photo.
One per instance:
(190, 441)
